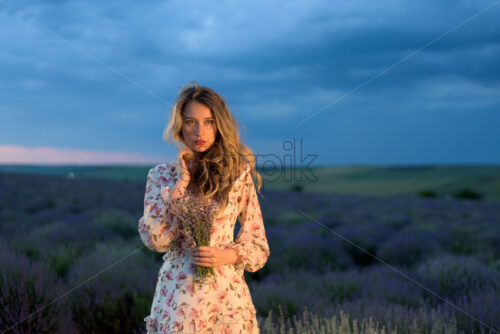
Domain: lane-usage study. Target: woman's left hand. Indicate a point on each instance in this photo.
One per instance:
(207, 256)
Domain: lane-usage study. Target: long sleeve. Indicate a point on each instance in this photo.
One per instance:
(251, 242)
(158, 228)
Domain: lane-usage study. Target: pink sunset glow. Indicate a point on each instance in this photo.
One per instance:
(12, 154)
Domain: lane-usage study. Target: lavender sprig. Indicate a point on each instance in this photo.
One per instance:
(196, 215)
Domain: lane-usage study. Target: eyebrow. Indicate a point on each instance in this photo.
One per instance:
(187, 117)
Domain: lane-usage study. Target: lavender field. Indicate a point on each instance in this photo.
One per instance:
(72, 261)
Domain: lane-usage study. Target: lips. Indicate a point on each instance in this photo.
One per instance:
(200, 142)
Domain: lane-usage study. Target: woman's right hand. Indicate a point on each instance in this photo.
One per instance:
(183, 156)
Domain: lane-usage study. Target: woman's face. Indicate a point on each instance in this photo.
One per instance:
(198, 124)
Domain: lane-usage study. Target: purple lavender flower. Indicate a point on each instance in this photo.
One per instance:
(196, 214)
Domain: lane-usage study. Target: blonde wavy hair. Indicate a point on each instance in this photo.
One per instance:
(219, 166)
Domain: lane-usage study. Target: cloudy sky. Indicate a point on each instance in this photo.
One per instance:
(345, 82)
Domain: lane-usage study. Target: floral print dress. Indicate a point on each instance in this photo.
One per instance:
(223, 303)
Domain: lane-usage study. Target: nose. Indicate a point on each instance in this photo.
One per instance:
(198, 130)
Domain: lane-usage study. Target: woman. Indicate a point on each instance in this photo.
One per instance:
(210, 164)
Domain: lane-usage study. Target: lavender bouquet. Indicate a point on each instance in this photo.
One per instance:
(196, 215)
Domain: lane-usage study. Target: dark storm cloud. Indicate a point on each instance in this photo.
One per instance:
(278, 61)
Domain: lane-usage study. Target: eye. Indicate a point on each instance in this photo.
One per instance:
(211, 121)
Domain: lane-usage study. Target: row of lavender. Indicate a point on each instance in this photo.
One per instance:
(418, 265)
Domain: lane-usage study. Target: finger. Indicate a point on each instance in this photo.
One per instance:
(207, 263)
(204, 253)
(204, 258)
(203, 263)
